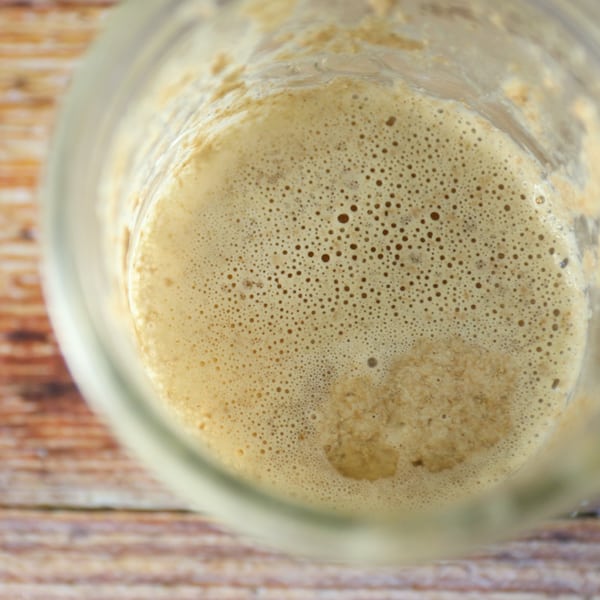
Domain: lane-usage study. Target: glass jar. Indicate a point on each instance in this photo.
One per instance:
(163, 70)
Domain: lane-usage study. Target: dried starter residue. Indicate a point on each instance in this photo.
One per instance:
(440, 403)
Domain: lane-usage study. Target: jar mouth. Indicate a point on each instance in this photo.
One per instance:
(110, 377)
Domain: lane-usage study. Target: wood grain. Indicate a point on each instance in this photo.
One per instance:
(53, 450)
(107, 555)
(78, 517)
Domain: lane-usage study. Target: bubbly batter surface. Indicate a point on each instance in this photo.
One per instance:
(362, 297)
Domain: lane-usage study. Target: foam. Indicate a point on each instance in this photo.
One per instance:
(361, 269)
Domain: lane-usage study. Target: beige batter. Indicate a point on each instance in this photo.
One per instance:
(362, 297)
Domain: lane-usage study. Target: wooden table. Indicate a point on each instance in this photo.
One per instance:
(78, 517)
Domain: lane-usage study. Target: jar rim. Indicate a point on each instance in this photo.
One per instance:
(115, 391)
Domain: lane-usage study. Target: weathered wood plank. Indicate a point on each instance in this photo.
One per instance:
(55, 452)
(158, 555)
